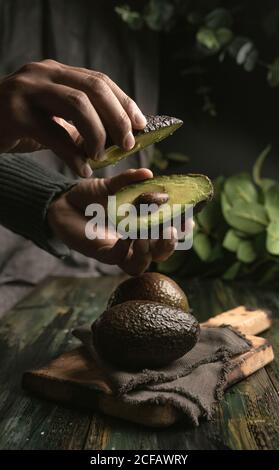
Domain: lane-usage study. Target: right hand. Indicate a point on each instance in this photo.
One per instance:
(39, 100)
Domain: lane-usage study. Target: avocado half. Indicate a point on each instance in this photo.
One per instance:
(190, 189)
(157, 128)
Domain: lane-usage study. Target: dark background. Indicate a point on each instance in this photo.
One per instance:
(247, 107)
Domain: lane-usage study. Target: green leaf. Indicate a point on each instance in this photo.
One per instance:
(158, 160)
(172, 264)
(257, 168)
(251, 60)
(272, 241)
(236, 46)
(231, 273)
(220, 17)
(250, 218)
(244, 52)
(246, 252)
(217, 253)
(177, 157)
(218, 184)
(272, 202)
(273, 73)
(131, 17)
(224, 36)
(207, 38)
(231, 241)
(240, 234)
(209, 217)
(259, 242)
(159, 15)
(202, 246)
(240, 187)
(225, 204)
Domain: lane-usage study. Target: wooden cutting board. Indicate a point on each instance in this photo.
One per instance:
(74, 379)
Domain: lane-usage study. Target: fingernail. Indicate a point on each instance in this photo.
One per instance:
(129, 141)
(140, 119)
(86, 170)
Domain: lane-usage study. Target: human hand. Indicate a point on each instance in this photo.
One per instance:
(39, 100)
(67, 221)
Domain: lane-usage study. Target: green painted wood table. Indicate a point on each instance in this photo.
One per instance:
(39, 328)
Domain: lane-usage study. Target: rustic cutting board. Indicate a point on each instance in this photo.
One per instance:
(74, 379)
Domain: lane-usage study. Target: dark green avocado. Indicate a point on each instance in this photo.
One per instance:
(180, 190)
(143, 334)
(157, 128)
(154, 287)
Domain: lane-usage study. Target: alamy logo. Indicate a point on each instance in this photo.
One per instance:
(141, 221)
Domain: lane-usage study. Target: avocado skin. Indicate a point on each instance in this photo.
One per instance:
(143, 334)
(155, 287)
(154, 123)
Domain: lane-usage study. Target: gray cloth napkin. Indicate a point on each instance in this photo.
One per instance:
(193, 384)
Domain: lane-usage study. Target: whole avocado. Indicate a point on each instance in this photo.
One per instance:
(143, 334)
(154, 287)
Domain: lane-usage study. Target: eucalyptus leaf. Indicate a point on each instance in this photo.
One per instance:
(257, 168)
(244, 52)
(177, 157)
(231, 273)
(224, 36)
(273, 73)
(236, 45)
(240, 187)
(172, 264)
(250, 218)
(272, 241)
(202, 246)
(246, 252)
(158, 160)
(207, 38)
(159, 15)
(217, 253)
(225, 204)
(218, 184)
(129, 16)
(272, 202)
(209, 217)
(231, 241)
(251, 60)
(220, 17)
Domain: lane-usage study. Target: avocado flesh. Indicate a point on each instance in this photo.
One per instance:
(188, 189)
(154, 287)
(142, 334)
(157, 129)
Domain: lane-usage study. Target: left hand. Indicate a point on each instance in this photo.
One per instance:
(67, 220)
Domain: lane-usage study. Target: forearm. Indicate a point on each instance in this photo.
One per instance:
(26, 191)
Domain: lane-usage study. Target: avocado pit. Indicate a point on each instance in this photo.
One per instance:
(150, 198)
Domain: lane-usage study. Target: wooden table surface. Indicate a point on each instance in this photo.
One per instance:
(39, 328)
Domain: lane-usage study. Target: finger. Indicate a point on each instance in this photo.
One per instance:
(98, 189)
(74, 105)
(51, 135)
(111, 252)
(163, 248)
(138, 259)
(130, 176)
(113, 115)
(136, 116)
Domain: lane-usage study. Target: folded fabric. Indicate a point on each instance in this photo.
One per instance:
(193, 383)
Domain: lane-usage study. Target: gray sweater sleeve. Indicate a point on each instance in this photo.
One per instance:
(26, 191)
